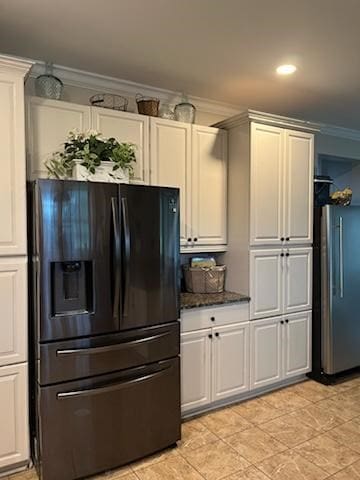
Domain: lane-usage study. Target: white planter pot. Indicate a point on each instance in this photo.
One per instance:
(104, 173)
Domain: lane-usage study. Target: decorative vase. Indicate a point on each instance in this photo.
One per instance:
(103, 173)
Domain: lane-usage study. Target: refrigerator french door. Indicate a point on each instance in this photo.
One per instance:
(340, 298)
(106, 386)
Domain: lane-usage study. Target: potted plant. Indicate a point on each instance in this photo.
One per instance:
(90, 156)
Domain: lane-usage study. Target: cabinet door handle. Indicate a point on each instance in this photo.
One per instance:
(210, 336)
(282, 239)
(288, 239)
(217, 334)
(282, 322)
(287, 321)
(212, 319)
(281, 254)
(287, 254)
(195, 239)
(189, 239)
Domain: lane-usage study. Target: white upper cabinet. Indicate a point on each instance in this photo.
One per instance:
(298, 279)
(14, 419)
(209, 185)
(281, 186)
(266, 185)
(265, 352)
(170, 155)
(126, 127)
(13, 164)
(266, 283)
(13, 301)
(48, 124)
(299, 168)
(230, 361)
(297, 344)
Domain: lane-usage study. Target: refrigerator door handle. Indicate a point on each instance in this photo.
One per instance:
(341, 256)
(116, 223)
(112, 387)
(125, 216)
(109, 348)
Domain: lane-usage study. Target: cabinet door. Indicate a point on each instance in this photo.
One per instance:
(13, 301)
(297, 344)
(209, 186)
(48, 124)
(298, 279)
(266, 185)
(126, 127)
(14, 435)
(299, 174)
(170, 155)
(13, 169)
(230, 361)
(266, 283)
(265, 352)
(195, 369)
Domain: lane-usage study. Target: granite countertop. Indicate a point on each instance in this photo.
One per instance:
(194, 300)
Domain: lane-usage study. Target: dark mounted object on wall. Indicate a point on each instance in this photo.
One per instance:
(322, 185)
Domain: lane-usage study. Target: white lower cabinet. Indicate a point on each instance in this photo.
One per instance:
(14, 435)
(297, 344)
(230, 361)
(196, 369)
(280, 347)
(265, 352)
(214, 365)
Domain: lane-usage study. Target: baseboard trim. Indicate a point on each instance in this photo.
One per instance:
(240, 398)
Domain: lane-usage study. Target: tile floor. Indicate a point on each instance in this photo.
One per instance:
(303, 432)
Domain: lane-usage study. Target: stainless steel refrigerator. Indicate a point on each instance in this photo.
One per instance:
(105, 330)
(340, 288)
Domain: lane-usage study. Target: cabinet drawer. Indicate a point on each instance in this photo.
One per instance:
(198, 318)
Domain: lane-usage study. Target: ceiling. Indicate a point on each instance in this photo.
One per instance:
(225, 50)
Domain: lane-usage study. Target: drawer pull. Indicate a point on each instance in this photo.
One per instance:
(212, 319)
(111, 387)
(109, 348)
(217, 334)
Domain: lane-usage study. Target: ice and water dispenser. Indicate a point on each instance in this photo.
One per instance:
(72, 287)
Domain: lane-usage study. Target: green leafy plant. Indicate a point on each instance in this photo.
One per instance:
(91, 148)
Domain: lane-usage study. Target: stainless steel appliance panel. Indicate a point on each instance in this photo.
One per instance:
(93, 425)
(86, 357)
(340, 288)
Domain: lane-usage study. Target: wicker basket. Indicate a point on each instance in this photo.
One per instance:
(107, 100)
(205, 280)
(147, 105)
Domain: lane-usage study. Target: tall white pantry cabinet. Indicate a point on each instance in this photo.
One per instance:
(14, 435)
(270, 205)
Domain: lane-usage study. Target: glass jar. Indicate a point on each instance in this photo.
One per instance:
(47, 85)
(185, 112)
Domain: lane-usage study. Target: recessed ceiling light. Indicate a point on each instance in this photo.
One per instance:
(286, 69)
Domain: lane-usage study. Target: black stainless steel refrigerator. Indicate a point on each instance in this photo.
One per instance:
(336, 291)
(105, 290)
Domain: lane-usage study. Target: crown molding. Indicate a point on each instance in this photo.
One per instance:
(97, 82)
(269, 119)
(340, 132)
(17, 64)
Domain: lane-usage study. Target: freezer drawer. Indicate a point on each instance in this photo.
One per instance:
(93, 425)
(81, 358)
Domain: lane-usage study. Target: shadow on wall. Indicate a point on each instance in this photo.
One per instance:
(345, 172)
